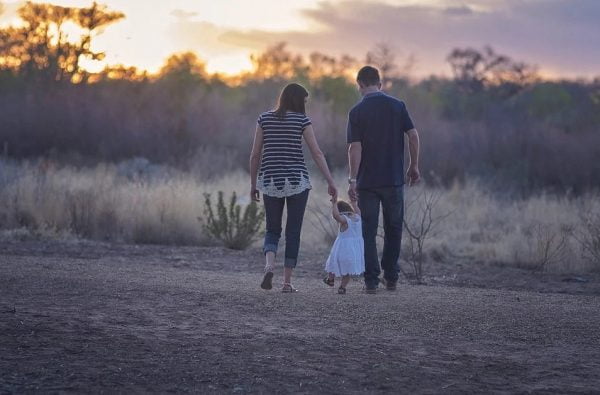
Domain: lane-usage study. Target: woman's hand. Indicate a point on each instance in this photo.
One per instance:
(254, 194)
(332, 191)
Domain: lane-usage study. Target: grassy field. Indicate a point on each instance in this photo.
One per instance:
(107, 280)
(137, 202)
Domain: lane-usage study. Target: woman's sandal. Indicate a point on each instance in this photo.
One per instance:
(342, 291)
(329, 281)
(288, 288)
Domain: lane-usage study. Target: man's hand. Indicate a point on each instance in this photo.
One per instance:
(413, 175)
(254, 194)
(352, 193)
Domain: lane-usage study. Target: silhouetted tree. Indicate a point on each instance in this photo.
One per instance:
(474, 69)
(278, 63)
(322, 65)
(184, 69)
(41, 49)
(384, 58)
(119, 72)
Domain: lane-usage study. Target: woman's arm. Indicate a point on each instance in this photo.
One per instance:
(319, 158)
(255, 161)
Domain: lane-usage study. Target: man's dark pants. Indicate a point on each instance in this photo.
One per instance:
(391, 201)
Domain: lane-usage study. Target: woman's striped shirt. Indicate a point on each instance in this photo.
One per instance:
(282, 170)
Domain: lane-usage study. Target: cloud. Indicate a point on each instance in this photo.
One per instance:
(559, 35)
(458, 11)
(182, 14)
(206, 38)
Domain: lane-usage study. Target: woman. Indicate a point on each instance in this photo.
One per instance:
(283, 178)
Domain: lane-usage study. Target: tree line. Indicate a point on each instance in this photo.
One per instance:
(495, 119)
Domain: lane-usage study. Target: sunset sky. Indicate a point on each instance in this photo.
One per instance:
(562, 37)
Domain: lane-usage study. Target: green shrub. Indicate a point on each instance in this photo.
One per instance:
(228, 225)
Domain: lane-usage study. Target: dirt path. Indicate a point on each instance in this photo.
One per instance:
(133, 319)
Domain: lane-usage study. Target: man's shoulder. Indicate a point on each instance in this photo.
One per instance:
(394, 100)
(384, 98)
(380, 99)
(355, 108)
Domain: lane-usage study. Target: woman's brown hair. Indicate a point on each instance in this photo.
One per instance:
(292, 99)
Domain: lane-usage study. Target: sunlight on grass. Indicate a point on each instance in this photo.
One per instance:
(156, 204)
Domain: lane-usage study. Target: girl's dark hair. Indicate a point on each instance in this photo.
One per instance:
(291, 99)
(344, 207)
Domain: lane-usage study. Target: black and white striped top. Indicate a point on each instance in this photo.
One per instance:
(282, 170)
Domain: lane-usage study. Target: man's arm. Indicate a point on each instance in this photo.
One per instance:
(354, 204)
(413, 174)
(354, 158)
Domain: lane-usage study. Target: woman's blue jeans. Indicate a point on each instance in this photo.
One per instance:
(296, 205)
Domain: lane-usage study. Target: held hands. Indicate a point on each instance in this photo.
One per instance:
(332, 191)
(413, 175)
(352, 193)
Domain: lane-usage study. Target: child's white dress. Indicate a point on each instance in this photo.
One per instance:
(347, 255)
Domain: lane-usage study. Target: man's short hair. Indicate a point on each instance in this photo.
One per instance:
(368, 76)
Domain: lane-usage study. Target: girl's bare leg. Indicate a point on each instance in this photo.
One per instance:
(345, 280)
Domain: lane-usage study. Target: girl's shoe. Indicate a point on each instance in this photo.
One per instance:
(288, 288)
(329, 281)
(267, 282)
(342, 291)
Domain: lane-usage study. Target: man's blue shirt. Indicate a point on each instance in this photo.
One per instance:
(379, 122)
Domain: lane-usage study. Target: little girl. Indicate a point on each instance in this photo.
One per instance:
(347, 254)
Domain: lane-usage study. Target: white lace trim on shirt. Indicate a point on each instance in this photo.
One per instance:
(288, 189)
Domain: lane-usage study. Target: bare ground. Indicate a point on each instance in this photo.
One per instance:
(94, 317)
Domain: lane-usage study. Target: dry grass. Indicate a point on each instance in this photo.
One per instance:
(107, 203)
(136, 202)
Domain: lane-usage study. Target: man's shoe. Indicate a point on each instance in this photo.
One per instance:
(371, 290)
(390, 286)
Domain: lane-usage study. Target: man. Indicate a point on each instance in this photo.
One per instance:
(376, 129)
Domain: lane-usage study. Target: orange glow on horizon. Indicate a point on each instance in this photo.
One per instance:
(224, 34)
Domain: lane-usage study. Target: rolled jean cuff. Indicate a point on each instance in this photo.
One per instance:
(290, 262)
(270, 248)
